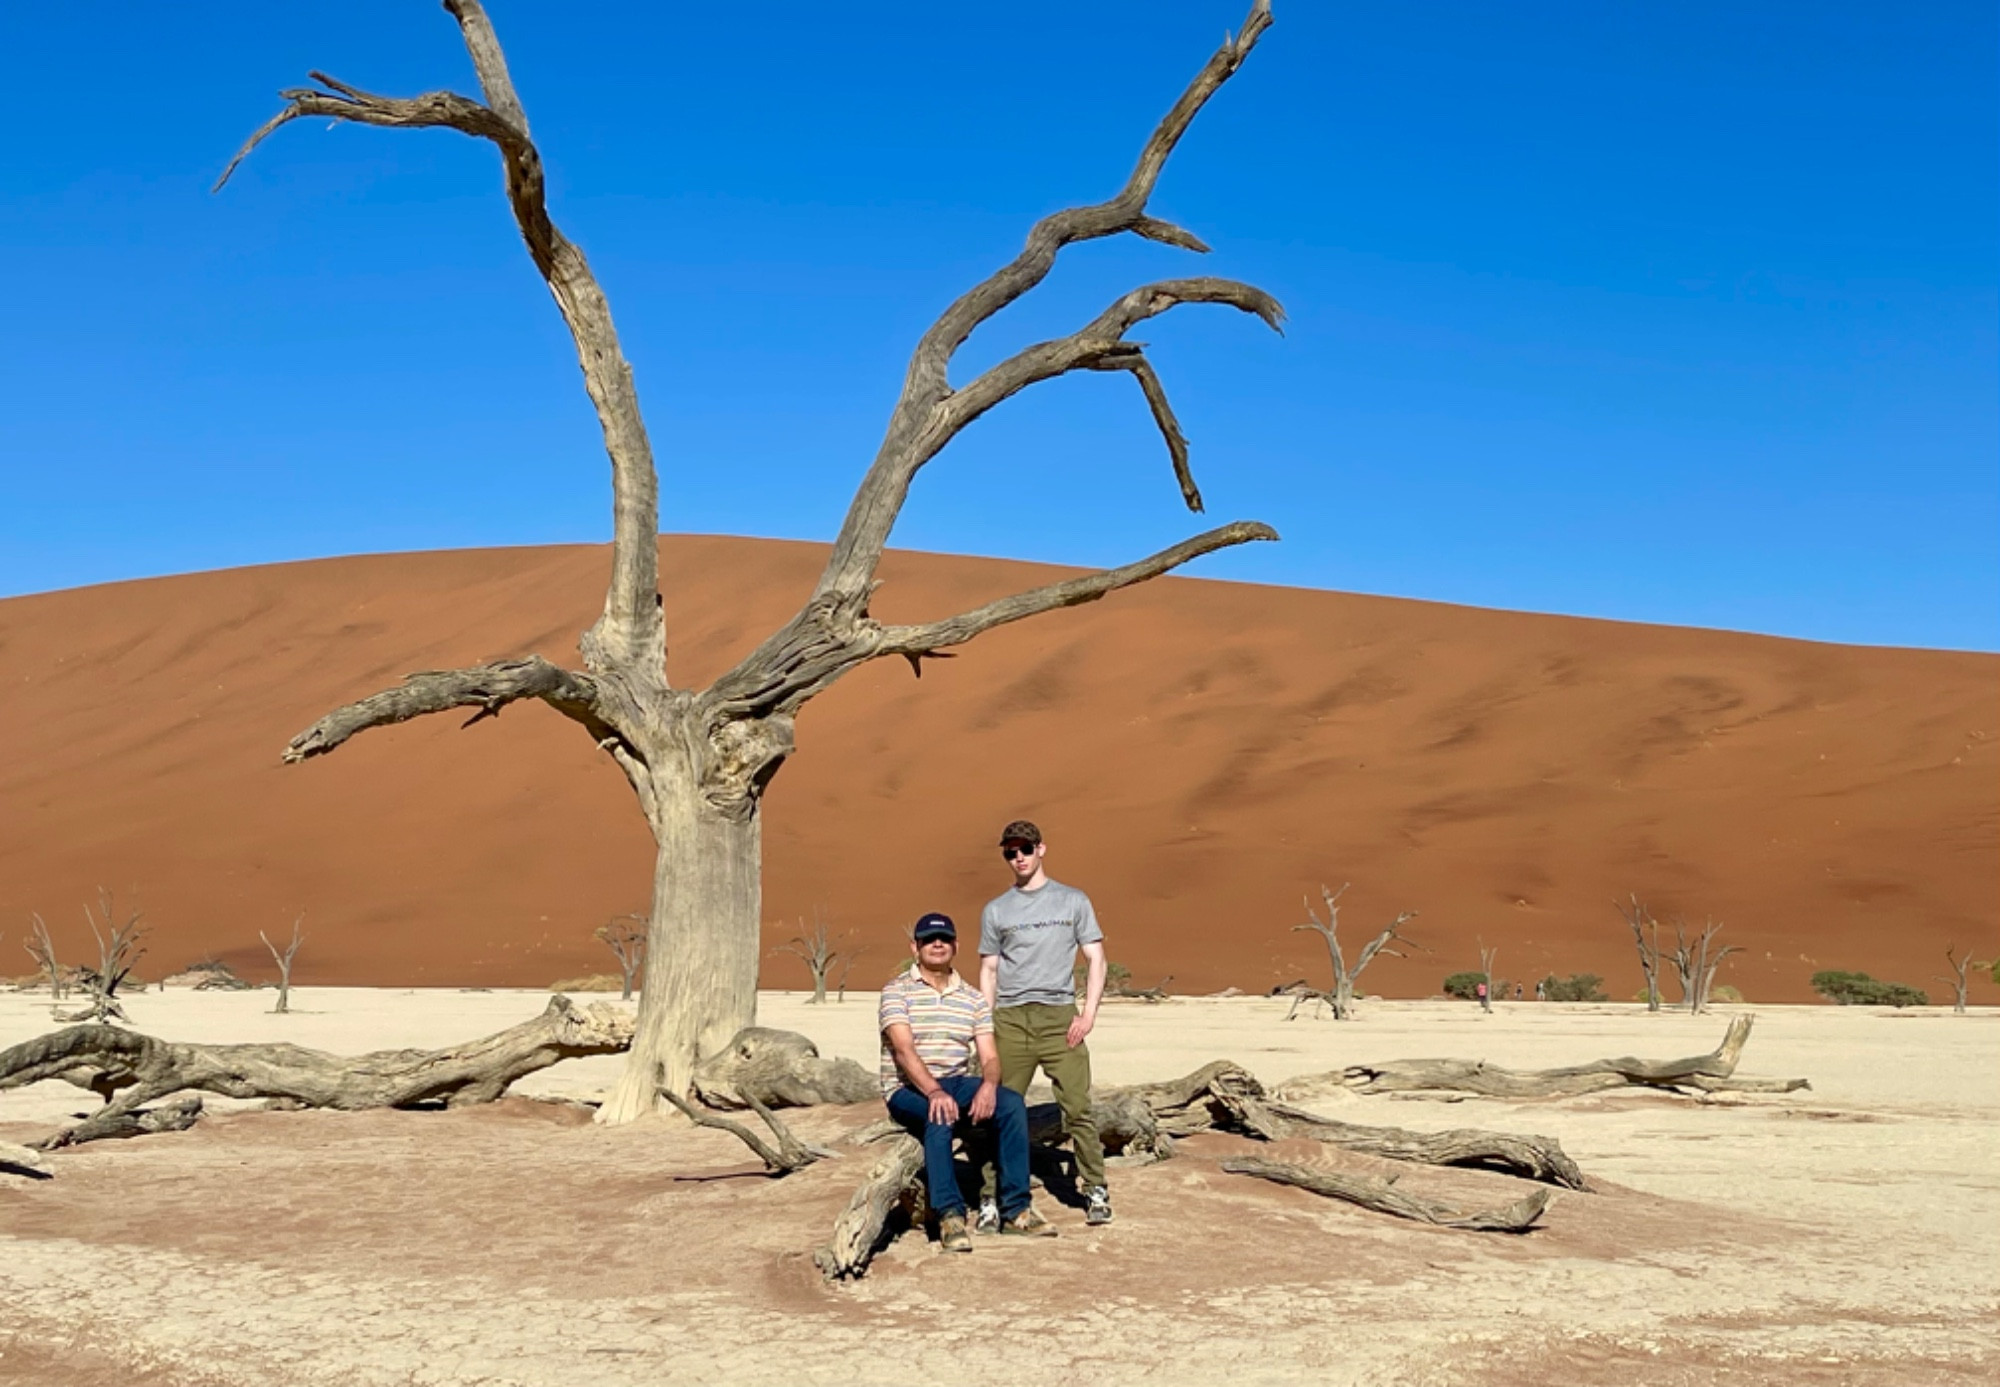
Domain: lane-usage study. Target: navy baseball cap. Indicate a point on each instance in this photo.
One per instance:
(934, 926)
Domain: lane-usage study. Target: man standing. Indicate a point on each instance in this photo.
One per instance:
(1028, 942)
(933, 1028)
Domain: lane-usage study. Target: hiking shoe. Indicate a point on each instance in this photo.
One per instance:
(988, 1219)
(1097, 1208)
(1028, 1224)
(952, 1236)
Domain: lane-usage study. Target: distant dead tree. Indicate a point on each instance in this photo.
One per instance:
(1486, 957)
(42, 950)
(1340, 997)
(1957, 978)
(626, 937)
(847, 966)
(283, 958)
(1646, 935)
(816, 949)
(700, 760)
(118, 950)
(1696, 961)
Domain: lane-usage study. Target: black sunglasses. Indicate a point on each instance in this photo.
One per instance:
(1015, 850)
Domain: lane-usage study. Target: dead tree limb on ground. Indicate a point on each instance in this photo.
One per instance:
(1383, 1197)
(789, 1155)
(1714, 1072)
(1340, 997)
(1646, 937)
(625, 935)
(42, 949)
(283, 958)
(118, 951)
(23, 1160)
(781, 1069)
(1957, 978)
(858, 1232)
(700, 761)
(129, 1070)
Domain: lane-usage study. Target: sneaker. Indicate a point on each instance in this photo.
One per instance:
(1097, 1209)
(1028, 1224)
(988, 1219)
(952, 1236)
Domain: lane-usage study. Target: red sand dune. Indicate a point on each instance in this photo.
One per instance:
(1199, 753)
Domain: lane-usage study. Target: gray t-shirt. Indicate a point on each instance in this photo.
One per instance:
(1036, 934)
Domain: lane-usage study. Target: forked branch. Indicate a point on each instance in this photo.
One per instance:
(487, 688)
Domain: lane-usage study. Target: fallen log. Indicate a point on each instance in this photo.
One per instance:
(1714, 1072)
(130, 1070)
(780, 1069)
(1384, 1198)
(857, 1233)
(1537, 1158)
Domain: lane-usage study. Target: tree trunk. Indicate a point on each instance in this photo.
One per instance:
(701, 946)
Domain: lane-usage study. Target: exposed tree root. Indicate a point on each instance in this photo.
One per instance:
(130, 1070)
(1714, 1072)
(790, 1154)
(1384, 1198)
(857, 1233)
(780, 1069)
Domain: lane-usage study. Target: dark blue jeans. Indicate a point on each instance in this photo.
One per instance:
(1009, 1126)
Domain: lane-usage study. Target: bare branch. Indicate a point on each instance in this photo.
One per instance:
(789, 1155)
(630, 638)
(489, 688)
(956, 630)
(916, 430)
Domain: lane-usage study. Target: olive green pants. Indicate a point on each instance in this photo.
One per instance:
(1034, 1036)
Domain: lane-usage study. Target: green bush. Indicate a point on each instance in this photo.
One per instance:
(1860, 990)
(1116, 975)
(1577, 987)
(1464, 986)
(1722, 992)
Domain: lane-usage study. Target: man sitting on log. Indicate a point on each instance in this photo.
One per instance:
(933, 1026)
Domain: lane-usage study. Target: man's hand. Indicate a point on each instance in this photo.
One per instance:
(983, 1101)
(944, 1109)
(1080, 1028)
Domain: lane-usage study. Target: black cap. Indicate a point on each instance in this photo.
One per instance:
(934, 926)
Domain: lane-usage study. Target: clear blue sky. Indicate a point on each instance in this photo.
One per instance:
(1670, 312)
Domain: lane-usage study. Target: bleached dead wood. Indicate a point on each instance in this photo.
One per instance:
(1714, 1072)
(781, 1069)
(789, 1155)
(130, 1070)
(857, 1233)
(1385, 1198)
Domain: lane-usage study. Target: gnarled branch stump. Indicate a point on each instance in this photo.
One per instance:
(857, 1233)
(1714, 1072)
(1385, 1198)
(780, 1069)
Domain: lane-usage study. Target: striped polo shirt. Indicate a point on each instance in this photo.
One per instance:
(942, 1024)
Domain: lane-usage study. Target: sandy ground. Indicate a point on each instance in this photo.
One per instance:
(1845, 1235)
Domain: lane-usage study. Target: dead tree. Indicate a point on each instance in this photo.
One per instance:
(1340, 997)
(1957, 978)
(700, 760)
(815, 948)
(1646, 936)
(129, 1070)
(118, 950)
(847, 962)
(626, 937)
(1714, 1072)
(1696, 961)
(42, 949)
(1486, 957)
(283, 958)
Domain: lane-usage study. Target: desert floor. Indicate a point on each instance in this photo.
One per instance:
(1841, 1235)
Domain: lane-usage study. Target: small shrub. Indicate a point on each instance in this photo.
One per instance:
(594, 982)
(1464, 986)
(1116, 975)
(1722, 992)
(1859, 990)
(1577, 987)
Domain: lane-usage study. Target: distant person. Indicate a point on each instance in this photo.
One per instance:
(1029, 938)
(933, 1028)
(1541, 992)
(1517, 992)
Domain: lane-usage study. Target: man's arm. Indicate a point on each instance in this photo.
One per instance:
(989, 1077)
(1093, 992)
(989, 979)
(903, 1046)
